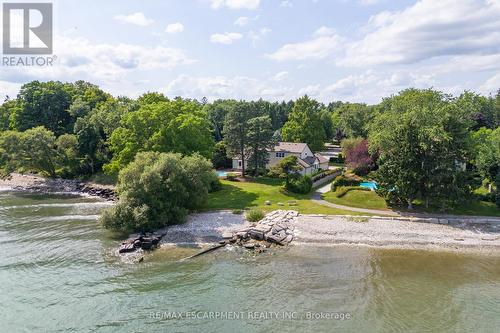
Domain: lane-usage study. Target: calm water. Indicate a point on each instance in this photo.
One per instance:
(58, 273)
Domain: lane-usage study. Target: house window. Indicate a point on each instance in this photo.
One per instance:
(280, 154)
(239, 163)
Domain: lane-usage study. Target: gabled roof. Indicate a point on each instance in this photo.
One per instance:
(290, 147)
(321, 158)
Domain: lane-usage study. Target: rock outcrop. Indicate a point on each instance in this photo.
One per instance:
(274, 229)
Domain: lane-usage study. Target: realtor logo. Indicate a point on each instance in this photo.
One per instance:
(27, 28)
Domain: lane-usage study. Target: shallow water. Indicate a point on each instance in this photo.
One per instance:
(58, 272)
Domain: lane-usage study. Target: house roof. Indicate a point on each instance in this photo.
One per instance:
(321, 158)
(291, 147)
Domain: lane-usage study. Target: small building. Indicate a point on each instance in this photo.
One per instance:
(308, 161)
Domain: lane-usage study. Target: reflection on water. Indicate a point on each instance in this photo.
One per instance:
(58, 273)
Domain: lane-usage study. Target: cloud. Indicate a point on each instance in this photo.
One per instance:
(370, 2)
(225, 38)
(235, 4)
(9, 89)
(280, 76)
(255, 36)
(426, 30)
(242, 21)
(174, 28)
(136, 18)
(319, 47)
(491, 86)
(80, 59)
(286, 3)
(238, 87)
(324, 31)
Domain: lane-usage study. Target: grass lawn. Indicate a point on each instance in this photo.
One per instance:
(479, 208)
(242, 195)
(370, 200)
(358, 199)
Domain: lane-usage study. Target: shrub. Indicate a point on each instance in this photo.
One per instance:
(339, 159)
(343, 190)
(237, 211)
(342, 180)
(231, 176)
(215, 184)
(300, 184)
(158, 189)
(359, 159)
(254, 215)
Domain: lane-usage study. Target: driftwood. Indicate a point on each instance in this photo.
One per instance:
(218, 246)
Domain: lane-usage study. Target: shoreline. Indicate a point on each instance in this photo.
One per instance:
(353, 231)
(207, 228)
(37, 184)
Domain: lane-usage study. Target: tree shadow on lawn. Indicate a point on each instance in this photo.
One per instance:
(230, 197)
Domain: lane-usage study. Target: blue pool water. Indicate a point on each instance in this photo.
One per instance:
(221, 173)
(371, 185)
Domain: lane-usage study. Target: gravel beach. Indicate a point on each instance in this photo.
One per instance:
(354, 231)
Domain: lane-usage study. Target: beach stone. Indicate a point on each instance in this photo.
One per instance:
(256, 234)
(249, 246)
(227, 235)
(147, 244)
(126, 248)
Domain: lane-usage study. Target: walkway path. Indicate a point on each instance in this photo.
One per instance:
(316, 198)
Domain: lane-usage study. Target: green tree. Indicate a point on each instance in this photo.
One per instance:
(94, 130)
(486, 153)
(169, 126)
(236, 132)
(67, 154)
(353, 119)
(158, 189)
(423, 143)
(216, 114)
(304, 124)
(44, 104)
(286, 168)
(327, 120)
(260, 140)
(219, 157)
(7, 111)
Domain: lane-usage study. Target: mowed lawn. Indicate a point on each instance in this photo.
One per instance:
(370, 200)
(358, 199)
(254, 193)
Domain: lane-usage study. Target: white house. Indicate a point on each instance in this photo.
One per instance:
(309, 161)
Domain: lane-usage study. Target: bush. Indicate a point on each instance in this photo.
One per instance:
(215, 184)
(231, 176)
(158, 189)
(343, 190)
(339, 159)
(254, 215)
(342, 180)
(300, 184)
(323, 174)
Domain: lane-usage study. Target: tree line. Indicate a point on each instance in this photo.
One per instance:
(418, 143)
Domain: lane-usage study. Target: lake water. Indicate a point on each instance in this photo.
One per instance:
(58, 273)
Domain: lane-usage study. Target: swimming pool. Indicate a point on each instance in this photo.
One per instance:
(221, 173)
(371, 185)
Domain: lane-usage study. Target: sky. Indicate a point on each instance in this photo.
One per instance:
(348, 50)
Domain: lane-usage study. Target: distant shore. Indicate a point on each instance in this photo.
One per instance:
(35, 183)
